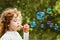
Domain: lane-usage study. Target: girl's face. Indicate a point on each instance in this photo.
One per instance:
(15, 23)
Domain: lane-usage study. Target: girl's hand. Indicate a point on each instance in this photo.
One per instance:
(26, 28)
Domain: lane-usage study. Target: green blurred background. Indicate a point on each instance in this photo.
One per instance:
(29, 8)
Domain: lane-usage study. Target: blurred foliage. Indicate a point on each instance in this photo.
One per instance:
(29, 8)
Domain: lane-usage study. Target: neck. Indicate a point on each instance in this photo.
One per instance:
(11, 30)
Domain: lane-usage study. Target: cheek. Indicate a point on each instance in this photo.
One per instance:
(13, 24)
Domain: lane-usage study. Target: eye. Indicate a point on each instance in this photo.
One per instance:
(14, 20)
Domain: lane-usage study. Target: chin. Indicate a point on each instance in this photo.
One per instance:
(18, 29)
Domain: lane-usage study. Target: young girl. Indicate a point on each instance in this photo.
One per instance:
(10, 23)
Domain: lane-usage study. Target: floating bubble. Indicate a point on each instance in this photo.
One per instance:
(56, 27)
(49, 10)
(42, 25)
(40, 15)
(33, 24)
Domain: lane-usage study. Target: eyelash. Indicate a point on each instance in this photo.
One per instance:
(14, 20)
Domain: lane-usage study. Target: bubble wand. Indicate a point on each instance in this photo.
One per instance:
(26, 31)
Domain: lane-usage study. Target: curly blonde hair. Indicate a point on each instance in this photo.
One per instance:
(6, 17)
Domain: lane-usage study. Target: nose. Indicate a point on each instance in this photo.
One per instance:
(17, 23)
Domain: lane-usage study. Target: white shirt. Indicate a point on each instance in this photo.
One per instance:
(14, 35)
